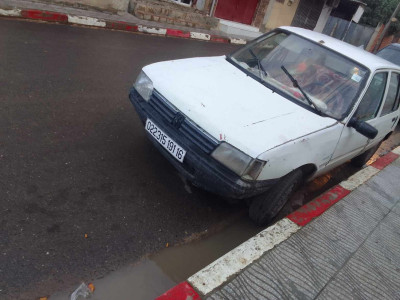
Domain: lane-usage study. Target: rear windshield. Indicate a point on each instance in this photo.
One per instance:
(330, 80)
(390, 53)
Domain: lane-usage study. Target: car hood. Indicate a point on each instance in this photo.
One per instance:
(232, 106)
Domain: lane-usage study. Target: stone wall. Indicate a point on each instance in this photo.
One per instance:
(260, 13)
(168, 12)
(101, 5)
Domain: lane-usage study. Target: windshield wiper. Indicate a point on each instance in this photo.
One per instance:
(260, 67)
(296, 85)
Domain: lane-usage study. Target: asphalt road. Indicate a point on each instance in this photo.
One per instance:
(82, 190)
(74, 158)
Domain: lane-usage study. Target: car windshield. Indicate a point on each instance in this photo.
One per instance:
(329, 80)
(390, 53)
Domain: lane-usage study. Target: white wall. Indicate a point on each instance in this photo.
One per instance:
(200, 4)
(323, 18)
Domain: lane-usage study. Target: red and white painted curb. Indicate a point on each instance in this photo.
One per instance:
(219, 271)
(49, 16)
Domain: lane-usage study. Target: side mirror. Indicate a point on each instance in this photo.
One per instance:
(364, 128)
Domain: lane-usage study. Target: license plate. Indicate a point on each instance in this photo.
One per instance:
(172, 147)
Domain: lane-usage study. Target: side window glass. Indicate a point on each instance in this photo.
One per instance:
(392, 98)
(372, 99)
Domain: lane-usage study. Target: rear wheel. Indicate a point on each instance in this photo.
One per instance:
(265, 207)
(363, 158)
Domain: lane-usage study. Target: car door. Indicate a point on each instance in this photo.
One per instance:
(389, 113)
(351, 143)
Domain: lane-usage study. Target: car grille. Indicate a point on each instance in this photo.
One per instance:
(188, 129)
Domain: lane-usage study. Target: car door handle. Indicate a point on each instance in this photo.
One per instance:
(394, 119)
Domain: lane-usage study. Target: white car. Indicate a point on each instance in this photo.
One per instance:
(285, 108)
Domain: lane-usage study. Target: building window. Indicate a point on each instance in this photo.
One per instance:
(183, 2)
(307, 13)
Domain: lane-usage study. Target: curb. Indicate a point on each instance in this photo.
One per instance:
(49, 16)
(219, 271)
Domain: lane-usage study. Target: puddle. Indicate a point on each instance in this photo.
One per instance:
(181, 262)
(152, 277)
(144, 280)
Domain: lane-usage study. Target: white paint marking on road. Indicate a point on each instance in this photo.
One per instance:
(200, 36)
(10, 12)
(396, 151)
(152, 30)
(231, 263)
(359, 178)
(86, 21)
(238, 41)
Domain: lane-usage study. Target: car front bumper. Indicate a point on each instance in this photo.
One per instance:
(198, 167)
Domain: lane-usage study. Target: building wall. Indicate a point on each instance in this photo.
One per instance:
(108, 5)
(280, 13)
(171, 13)
(323, 18)
(260, 13)
(387, 40)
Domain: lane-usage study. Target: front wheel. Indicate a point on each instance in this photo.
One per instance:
(265, 207)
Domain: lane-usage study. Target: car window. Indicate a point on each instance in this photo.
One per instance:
(370, 103)
(392, 98)
(331, 80)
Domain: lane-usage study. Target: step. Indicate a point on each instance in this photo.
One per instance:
(239, 29)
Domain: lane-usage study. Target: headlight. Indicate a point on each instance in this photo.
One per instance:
(238, 162)
(144, 86)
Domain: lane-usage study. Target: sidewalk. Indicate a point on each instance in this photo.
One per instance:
(121, 21)
(351, 251)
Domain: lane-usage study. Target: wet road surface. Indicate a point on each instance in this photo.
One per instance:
(82, 191)
(75, 160)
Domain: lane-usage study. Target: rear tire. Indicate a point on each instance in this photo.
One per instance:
(363, 158)
(265, 207)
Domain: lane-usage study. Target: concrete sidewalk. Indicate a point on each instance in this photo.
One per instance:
(13, 8)
(352, 251)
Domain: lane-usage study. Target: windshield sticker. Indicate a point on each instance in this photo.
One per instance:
(356, 77)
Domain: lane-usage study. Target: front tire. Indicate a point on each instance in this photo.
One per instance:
(265, 207)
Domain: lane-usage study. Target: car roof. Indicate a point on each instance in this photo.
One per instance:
(365, 58)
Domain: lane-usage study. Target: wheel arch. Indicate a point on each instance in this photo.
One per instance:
(308, 170)
(387, 136)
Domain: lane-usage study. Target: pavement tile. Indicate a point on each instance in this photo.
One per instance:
(374, 270)
(361, 199)
(396, 208)
(345, 224)
(393, 222)
(396, 163)
(302, 265)
(269, 278)
(370, 189)
(395, 166)
(387, 184)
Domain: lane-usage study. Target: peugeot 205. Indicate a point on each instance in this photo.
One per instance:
(283, 109)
